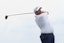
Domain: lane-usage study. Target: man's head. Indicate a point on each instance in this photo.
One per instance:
(37, 10)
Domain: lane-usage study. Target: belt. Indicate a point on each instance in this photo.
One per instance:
(46, 33)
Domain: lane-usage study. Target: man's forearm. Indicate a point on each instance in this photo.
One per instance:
(45, 12)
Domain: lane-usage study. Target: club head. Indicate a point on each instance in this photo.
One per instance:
(6, 17)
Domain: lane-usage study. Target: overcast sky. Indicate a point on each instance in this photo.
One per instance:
(23, 29)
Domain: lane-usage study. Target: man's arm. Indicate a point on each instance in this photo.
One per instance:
(45, 12)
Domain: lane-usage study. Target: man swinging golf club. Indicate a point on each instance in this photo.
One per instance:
(41, 19)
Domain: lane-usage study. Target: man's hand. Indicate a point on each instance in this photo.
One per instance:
(38, 12)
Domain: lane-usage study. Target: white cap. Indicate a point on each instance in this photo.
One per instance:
(37, 8)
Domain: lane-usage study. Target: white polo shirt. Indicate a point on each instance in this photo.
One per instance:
(43, 22)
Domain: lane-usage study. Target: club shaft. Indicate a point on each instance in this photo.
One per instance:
(20, 14)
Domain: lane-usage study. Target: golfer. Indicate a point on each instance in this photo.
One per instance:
(41, 18)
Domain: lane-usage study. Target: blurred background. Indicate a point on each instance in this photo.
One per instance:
(22, 28)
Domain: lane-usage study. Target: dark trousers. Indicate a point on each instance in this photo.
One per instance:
(47, 38)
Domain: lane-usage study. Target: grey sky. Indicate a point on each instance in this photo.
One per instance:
(23, 29)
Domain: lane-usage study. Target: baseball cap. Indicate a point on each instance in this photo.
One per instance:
(37, 8)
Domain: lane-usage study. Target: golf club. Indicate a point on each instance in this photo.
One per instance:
(6, 17)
